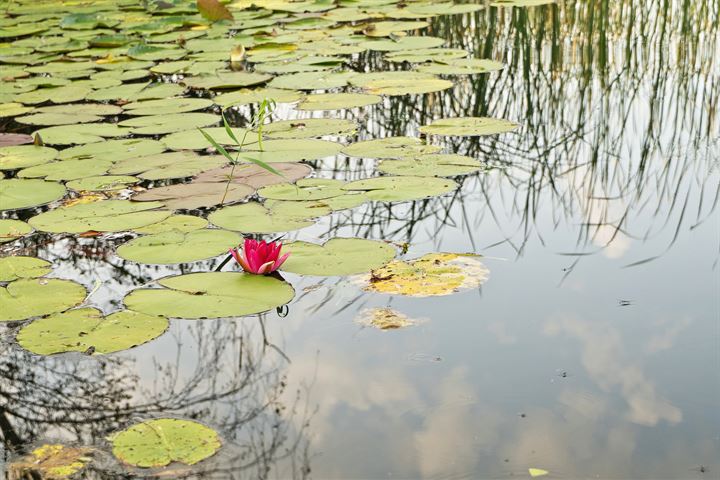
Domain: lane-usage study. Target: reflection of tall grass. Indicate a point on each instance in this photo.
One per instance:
(617, 102)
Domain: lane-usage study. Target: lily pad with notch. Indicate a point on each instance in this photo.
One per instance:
(211, 295)
(189, 196)
(105, 216)
(178, 247)
(337, 256)
(337, 101)
(16, 267)
(432, 165)
(254, 217)
(469, 126)
(309, 128)
(88, 330)
(170, 165)
(34, 297)
(390, 147)
(23, 156)
(18, 193)
(401, 189)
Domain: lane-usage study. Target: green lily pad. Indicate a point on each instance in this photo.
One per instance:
(337, 101)
(102, 183)
(34, 297)
(179, 223)
(12, 109)
(162, 124)
(427, 55)
(309, 128)
(195, 140)
(338, 256)
(253, 217)
(178, 247)
(22, 156)
(167, 106)
(521, 3)
(189, 196)
(80, 134)
(400, 189)
(399, 83)
(386, 29)
(13, 268)
(104, 216)
(290, 150)
(137, 92)
(57, 119)
(22, 193)
(114, 150)
(312, 80)
(226, 80)
(444, 8)
(65, 94)
(87, 330)
(247, 96)
(98, 109)
(303, 189)
(468, 126)
(159, 442)
(461, 66)
(211, 295)
(434, 165)
(168, 165)
(11, 230)
(390, 147)
(67, 170)
(403, 44)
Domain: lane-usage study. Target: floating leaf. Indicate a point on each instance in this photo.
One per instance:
(102, 183)
(113, 150)
(13, 109)
(304, 189)
(22, 156)
(253, 217)
(195, 140)
(434, 274)
(11, 230)
(390, 147)
(194, 195)
(87, 330)
(294, 150)
(162, 124)
(57, 119)
(312, 80)
(461, 66)
(80, 134)
(167, 106)
(308, 128)
(403, 43)
(67, 170)
(213, 10)
(400, 189)
(33, 297)
(22, 193)
(521, 3)
(107, 216)
(180, 223)
(338, 256)
(433, 165)
(52, 462)
(211, 295)
(537, 472)
(254, 175)
(384, 319)
(426, 55)
(468, 126)
(168, 165)
(159, 442)
(226, 80)
(400, 83)
(178, 247)
(247, 97)
(13, 268)
(337, 101)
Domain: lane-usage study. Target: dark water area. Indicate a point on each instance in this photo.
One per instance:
(591, 350)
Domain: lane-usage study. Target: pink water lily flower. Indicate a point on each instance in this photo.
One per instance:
(260, 258)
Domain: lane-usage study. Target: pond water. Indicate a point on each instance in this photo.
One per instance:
(589, 351)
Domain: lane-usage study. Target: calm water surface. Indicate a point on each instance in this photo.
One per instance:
(592, 349)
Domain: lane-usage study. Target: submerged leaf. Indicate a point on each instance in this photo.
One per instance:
(384, 319)
(51, 462)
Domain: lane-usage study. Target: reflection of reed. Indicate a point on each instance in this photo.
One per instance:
(617, 106)
(235, 386)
